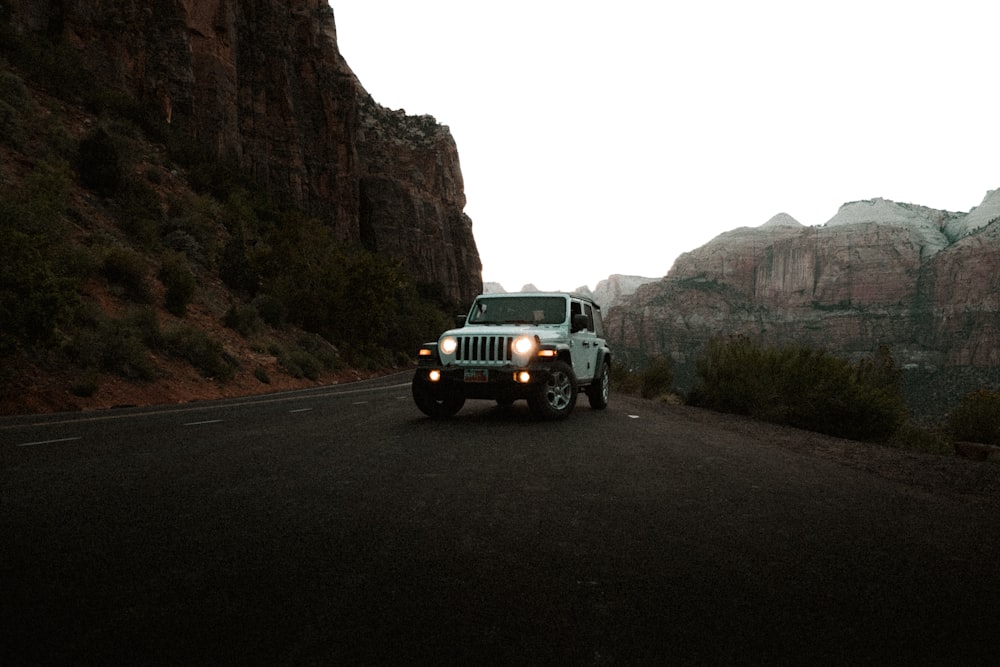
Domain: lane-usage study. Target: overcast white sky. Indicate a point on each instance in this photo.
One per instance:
(609, 137)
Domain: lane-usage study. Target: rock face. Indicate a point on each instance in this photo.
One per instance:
(922, 281)
(611, 291)
(616, 289)
(263, 82)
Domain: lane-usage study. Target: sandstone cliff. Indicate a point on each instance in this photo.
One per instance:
(263, 82)
(924, 282)
(615, 289)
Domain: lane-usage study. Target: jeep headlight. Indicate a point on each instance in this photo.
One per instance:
(448, 345)
(524, 345)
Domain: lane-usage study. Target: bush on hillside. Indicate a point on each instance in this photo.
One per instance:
(201, 350)
(139, 212)
(654, 380)
(977, 418)
(244, 319)
(116, 345)
(99, 163)
(126, 270)
(34, 299)
(180, 283)
(801, 387)
(657, 378)
(624, 380)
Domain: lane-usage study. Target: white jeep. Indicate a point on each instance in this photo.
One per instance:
(540, 346)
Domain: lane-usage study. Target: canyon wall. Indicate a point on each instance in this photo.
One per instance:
(262, 82)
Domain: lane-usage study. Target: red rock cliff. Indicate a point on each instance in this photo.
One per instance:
(924, 282)
(263, 82)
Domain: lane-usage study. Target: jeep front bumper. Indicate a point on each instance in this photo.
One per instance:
(496, 383)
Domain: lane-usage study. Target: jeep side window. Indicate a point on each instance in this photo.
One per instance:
(598, 323)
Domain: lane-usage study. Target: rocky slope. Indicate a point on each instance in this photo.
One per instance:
(922, 281)
(263, 82)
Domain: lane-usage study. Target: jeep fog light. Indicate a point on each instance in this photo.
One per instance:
(524, 377)
(434, 375)
(449, 345)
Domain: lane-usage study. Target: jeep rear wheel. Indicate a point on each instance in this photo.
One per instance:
(556, 397)
(436, 404)
(600, 388)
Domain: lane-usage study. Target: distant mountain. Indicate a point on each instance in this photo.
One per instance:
(616, 288)
(493, 288)
(609, 292)
(922, 281)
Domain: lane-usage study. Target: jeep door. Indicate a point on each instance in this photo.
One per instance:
(584, 343)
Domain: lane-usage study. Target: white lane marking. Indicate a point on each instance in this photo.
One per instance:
(360, 403)
(49, 442)
(300, 410)
(207, 421)
(633, 416)
(329, 391)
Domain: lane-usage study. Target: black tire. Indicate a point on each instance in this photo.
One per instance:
(600, 388)
(555, 398)
(438, 405)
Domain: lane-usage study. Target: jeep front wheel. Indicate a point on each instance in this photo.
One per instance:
(555, 398)
(436, 404)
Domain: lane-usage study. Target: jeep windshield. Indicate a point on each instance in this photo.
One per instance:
(519, 310)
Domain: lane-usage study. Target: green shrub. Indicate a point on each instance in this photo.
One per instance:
(309, 357)
(40, 202)
(11, 127)
(204, 353)
(321, 349)
(176, 276)
(977, 418)
(624, 380)
(34, 299)
(271, 310)
(191, 227)
(115, 345)
(244, 319)
(926, 441)
(139, 212)
(299, 363)
(13, 91)
(99, 163)
(657, 378)
(805, 388)
(126, 269)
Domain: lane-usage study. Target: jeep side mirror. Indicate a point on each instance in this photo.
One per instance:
(580, 322)
(460, 320)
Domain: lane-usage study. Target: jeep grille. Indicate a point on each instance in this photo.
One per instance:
(484, 349)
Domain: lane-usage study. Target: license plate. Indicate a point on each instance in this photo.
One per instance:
(477, 375)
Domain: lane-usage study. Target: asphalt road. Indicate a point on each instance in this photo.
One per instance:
(340, 526)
